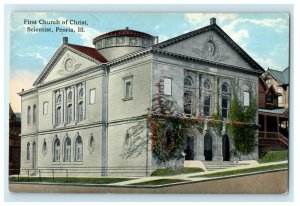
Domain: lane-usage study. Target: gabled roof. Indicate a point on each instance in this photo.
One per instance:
(214, 27)
(281, 76)
(88, 52)
(272, 89)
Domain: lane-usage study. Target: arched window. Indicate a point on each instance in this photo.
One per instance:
(80, 94)
(67, 150)
(225, 88)
(80, 111)
(69, 113)
(58, 115)
(207, 84)
(92, 143)
(34, 114)
(78, 149)
(28, 115)
(188, 82)
(28, 152)
(58, 100)
(44, 148)
(70, 96)
(56, 150)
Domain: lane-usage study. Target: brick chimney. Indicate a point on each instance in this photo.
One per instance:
(213, 20)
(65, 40)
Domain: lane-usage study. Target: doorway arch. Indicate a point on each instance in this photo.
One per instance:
(225, 148)
(189, 147)
(208, 153)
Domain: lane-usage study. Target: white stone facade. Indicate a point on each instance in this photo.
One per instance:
(85, 104)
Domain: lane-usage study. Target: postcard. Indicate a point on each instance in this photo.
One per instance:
(153, 103)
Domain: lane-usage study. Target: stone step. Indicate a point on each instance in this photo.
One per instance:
(212, 166)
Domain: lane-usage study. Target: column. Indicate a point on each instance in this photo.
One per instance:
(53, 108)
(62, 106)
(73, 103)
(65, 105)
(83, 99)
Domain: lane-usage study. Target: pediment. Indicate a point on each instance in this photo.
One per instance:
(65, 62)
(212, 44)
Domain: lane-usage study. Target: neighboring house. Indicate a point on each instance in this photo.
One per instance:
(14, 141)
(79, 115)
(273, 110)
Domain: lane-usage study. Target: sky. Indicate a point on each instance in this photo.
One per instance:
(264, 36)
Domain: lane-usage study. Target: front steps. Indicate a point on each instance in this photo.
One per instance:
(216, 165)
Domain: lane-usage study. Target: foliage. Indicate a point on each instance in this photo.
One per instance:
(273, 156)
(244, 134)
(169, 172)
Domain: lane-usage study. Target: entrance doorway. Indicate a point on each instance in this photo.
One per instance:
(225, 148)
(208, 147)
(33, 155)
(189, 147)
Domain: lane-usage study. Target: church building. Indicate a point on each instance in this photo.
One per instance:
(76, 119)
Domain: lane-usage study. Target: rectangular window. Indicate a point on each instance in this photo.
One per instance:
(80, 108)
(280, 90)
(167, 86)
(92, 96)
(45, 108)
(69, 114)
(246, 98)
(224, 107)
(128, 88)
(187, 102)
(280, 100)
(206, 106)
(58, 116)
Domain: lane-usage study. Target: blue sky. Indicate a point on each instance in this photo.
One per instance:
(264, 36)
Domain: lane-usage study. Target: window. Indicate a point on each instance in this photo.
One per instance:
(167, 86)
(69, 113)
(187, 102)
(128, 88)
(80, 94)
(70, 96)
(44, 148)
(225, 88)
(28, 152)
(34, 114)
(78, 149)
(80, 110)
(269, 98)
(206, 106)
(188, 82)
(58, 100)
(56, 156)
(268, 81)
(280, 100)
(207, 84)
(45, 108)
(280, 90)
(67, 151)
(92, 143)
(246, 98)
(225, 107)
(28, 115)
(92, 96)
(58, 115)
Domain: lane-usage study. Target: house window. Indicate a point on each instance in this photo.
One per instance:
(225, 107)
(34, 114)
(78, 149)
(58, 115)
(246, 98)
(206, 106)
(92, 96)
(268, 81)
(28, 152)
(280, 90)
(207, 84)
(187, 102)
(69, 113)
(128, 88)
(280, 100)
(167, 86)
(67, 150)
(28, 115)
(188, 82)
(225, 88)
(56, 157)
(80, 110)
(45, 108)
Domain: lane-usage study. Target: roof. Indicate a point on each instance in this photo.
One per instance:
(214, 27)
(275, 112)
(122, 32)
(91, 52)
(281, 76)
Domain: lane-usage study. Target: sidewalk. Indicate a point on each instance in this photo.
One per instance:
(189, 177)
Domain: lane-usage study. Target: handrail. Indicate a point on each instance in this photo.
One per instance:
(273, 136)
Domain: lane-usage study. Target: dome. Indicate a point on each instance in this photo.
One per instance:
(121, 42)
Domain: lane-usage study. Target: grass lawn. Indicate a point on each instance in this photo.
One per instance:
(274, 156)
(159, 182)
(243, 171)
(69, 180)
(169, 172)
